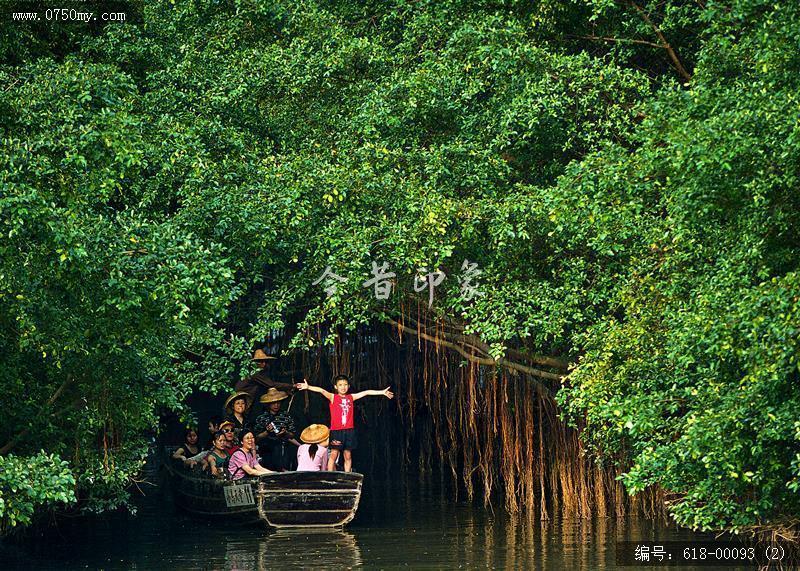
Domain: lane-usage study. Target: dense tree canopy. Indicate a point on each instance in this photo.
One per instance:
(623, 174)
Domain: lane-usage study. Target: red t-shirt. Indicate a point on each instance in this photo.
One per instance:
(341, 412)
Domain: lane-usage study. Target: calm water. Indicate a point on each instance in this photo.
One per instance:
(411, 526)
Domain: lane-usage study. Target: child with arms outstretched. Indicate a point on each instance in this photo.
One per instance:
(343, 433)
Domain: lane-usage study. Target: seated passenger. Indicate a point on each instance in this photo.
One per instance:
(231, 445)
(244, 462)
(213, 428)
(218, 456)
(188, 449)
(313, 455)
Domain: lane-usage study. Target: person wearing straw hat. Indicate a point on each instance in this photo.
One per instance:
(312, 456)
(231, 444)
(256, 384)
(236, 408)
(275, 431)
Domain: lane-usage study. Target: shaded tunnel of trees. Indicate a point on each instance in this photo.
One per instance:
(493, 432)
(624, 174)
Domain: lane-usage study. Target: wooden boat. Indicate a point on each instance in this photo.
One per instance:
(309, 499)
(201, 495)
(285, 499)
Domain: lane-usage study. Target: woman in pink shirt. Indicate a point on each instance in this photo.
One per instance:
(244, 462)
(313, 455)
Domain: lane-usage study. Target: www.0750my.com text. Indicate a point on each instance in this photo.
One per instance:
(67, 15)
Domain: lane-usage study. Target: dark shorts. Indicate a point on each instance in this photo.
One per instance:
(347, 439)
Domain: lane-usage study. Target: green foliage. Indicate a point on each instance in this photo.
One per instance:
(100, 295)
(170, 189)
(694, 376)
(31, 483)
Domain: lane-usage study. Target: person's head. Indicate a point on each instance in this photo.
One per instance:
(261, 359)
(315, 435)
(272, 399)
(226, 428)
(341, 383)
(248, 440)
(240, 405)
(213, 423)
(237, 403)
(220, 440)
(190, 436)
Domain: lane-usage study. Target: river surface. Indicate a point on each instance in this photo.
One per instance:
(414, 525)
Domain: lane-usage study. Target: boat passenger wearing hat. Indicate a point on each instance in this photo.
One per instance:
(275, 431)
(256, 384)
(313, 455)
(226, 428)
(236, 408)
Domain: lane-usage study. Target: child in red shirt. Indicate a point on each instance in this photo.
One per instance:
(343, 433)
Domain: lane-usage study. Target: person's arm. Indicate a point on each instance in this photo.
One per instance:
(374, 393)
(304, 386)
(179, 454)
(260, 429)
(212, 463)
(266, 382)
(199, 456)
(249, 470)
(268, 432)
(282, 386)
(257, 471)
(287, 432)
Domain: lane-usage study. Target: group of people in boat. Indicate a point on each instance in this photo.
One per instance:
(243, 444)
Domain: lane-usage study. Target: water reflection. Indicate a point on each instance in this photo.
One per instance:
(293, 550)
(397, 525)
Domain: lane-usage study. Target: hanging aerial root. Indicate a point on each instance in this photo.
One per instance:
(496, 432)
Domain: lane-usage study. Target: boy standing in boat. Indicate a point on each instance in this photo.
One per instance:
(343, 433)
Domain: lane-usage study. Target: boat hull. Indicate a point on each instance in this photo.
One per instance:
(281, 500)
(309, 499)
(204, 496)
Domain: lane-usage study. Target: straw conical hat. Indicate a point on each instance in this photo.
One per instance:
(315, 433)
(247, 399)
(273, 395)
(260, 355)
